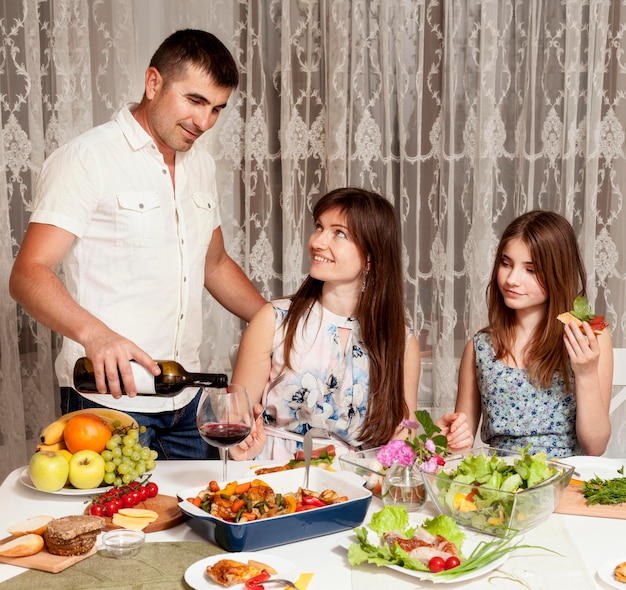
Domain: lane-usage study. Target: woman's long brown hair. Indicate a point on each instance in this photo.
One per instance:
(374, 227)
(560, 271)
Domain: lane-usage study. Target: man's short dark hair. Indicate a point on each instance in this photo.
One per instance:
(200, 49)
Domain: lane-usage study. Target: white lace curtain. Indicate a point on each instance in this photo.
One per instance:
(464, 113)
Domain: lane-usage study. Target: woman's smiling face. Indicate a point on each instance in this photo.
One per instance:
(335, 256)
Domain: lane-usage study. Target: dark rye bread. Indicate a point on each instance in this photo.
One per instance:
(72, 535)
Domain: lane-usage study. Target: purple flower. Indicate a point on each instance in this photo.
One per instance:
(396, 450)
(430, 445)
(410, 424)
(430, 466)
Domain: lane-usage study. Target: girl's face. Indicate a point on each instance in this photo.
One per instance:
(335, 257)
(517, 280)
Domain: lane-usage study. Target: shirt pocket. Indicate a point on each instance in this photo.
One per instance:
(205, 215)
(139, 220)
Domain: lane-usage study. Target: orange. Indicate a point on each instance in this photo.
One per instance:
(86, 431)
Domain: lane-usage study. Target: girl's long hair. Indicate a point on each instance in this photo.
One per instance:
(372, 222)
(560, 271)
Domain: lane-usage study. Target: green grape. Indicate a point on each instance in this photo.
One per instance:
(117, 461)
(106, 455)
(109, 478)
(145, 453)
(117, 452)
(142, 429)
(109, 467)
(128, 440)
(150, 465)
(111, 444)
(153, 454)
(118, 482)
(137, 447)
(127, 478)
(135, 456)
(133, 474)
(141, 467)
(123, 468)
(127, 451)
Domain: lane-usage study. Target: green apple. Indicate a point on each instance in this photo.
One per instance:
(86, 469)
(48, 470)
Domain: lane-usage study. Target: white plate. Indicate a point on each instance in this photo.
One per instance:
(590, 467)
(605, 572)
(469, 543)
(25, 479)
(198, 579)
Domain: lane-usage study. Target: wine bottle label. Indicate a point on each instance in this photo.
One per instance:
(144, 380)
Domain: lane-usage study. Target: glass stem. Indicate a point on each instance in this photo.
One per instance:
(224, 453)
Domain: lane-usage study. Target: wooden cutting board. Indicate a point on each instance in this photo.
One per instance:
(170, 515)
(573, 502)
(45, 561)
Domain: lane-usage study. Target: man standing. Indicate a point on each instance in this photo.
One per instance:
(130, 208)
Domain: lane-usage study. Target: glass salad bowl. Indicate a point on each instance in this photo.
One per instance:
(498, 492)
(365, 464)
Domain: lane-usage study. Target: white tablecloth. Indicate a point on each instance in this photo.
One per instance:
(586, 543)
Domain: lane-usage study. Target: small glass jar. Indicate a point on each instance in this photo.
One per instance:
(404, 485)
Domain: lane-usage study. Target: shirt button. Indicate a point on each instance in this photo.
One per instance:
(164, 171)
(184, 279)
(141, 205)
(182, 315)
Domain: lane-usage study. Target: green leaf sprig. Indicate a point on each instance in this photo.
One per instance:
(605, 491)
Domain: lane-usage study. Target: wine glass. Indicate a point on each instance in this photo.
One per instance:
(224, 418)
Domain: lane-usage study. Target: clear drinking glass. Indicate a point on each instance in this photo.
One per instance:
(224, 418)
(404, 485)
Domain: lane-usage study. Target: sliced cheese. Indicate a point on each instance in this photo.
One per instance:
(131, 522)
(139, 513)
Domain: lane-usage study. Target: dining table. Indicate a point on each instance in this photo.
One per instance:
(579, 546)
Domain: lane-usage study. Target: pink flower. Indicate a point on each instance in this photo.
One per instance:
(410, 424)
(396, 450)
(430, 466)
(430, 445)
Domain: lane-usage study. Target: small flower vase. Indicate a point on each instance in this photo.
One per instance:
(404, 485)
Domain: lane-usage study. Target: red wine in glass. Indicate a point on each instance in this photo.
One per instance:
(224, 435)
(224, 418)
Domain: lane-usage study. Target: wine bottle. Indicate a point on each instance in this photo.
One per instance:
(172, 380)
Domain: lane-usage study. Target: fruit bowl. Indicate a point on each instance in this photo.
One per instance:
(365, 464)
(490, 506)
(123, 543)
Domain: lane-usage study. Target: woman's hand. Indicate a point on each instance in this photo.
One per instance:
(251, 446)
(456, 429)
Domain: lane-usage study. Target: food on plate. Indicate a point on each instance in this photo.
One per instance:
(322, 457)
(255, 500)
(582, 313)
(35, 524)
(22, 546)
(435, 546)
(72, 535)
(619, 573)
(605, 491)
(229, 572)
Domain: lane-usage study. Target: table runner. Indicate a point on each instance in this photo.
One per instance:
(530, 569)
(158, 566)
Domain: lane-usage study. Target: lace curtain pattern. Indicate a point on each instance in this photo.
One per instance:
(463, 113)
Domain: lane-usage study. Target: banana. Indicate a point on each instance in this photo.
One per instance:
(57, 446)
(53, 433)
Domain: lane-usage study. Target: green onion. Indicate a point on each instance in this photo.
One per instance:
(484, 554)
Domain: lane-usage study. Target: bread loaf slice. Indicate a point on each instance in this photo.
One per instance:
(22, 546)
(35, 524)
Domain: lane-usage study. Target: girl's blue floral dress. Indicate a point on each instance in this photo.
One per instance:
(516, 413)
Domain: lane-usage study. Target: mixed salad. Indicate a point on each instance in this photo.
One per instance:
(487, 493)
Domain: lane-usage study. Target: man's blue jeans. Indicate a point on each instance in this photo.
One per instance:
(174, 435)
